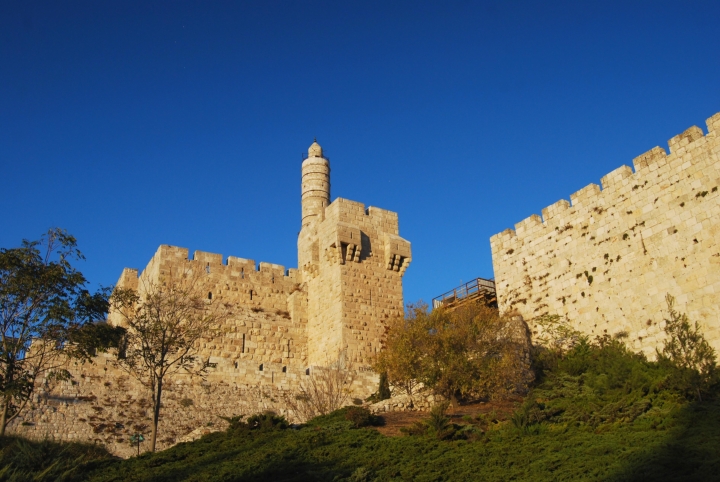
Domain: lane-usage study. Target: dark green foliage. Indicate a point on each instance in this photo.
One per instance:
(46, 314)
(261, 422)
(383, 392)
(597, 412)
(678, 444)
(384, 388)
(361, 417)
(91, 338)
(267, 421)
(22, 460)
(439, 426)
(598, 383)
(688, 353)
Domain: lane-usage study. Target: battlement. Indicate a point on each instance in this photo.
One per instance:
(606, 258)
(209, 260)
(281, 323)
(593, 196)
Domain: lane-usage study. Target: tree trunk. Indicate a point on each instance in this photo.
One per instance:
(156, 415)
(3, 417)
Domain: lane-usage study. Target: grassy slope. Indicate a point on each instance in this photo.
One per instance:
(330, 449)
(599, 413)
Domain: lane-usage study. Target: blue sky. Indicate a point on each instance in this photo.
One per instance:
(135, 124)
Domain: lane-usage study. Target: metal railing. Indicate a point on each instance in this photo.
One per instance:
(479, 287)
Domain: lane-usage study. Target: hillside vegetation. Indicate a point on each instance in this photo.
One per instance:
(595, 412)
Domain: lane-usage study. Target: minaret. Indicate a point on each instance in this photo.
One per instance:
(315, 185)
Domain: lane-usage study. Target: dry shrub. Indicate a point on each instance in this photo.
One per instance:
(325, 390)
(469, 352)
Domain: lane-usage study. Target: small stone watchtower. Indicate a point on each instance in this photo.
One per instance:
(352, 261)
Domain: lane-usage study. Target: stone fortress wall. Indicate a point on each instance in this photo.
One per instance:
(606, 259)
(265, 328)
(285, 324)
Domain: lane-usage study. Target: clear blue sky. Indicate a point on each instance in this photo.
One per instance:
(135, 124)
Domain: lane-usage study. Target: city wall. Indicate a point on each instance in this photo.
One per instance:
(282, 327)
(607, 259)
(267, 326)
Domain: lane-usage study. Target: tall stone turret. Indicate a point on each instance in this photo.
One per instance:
(315, 185)
(351, 261)
(315, 197)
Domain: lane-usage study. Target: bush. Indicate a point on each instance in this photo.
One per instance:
(46, 460)
(324, 391)
(437, 425)
(267, 421)
(689, 353)
(467, 353)
(361, 417)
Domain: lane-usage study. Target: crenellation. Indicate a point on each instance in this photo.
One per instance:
(623, 248)
(207, 258)
(616, 178)
(684, 139)
(128, 279)
(713, 125)
(585, 196)
(554, 210)
(528, 225)
(284, 323)
(653, 156)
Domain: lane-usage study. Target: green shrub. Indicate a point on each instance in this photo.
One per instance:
(46, 460)
(689, 354)
(267, 421)
(360, 417)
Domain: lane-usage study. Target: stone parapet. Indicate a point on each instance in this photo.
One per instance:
(607, 260)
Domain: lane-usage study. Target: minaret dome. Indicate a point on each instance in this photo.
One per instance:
(315, 150)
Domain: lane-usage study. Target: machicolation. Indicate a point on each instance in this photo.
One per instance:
(285, 324)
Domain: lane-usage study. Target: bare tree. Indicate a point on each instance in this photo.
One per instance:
(326, 389)
(166, 320)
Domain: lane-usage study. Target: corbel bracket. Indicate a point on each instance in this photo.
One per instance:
(346, 243)
(397, 253)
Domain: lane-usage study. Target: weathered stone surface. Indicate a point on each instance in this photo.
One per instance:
(284, 323)
(607, 262)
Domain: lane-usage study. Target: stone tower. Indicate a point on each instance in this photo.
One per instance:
(352, 261)
(315, 184)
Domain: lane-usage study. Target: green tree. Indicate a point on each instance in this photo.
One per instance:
(46, 316)
(688, 351)
(166, 322)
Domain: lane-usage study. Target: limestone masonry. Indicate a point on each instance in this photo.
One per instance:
(351, 261)
(606, 259)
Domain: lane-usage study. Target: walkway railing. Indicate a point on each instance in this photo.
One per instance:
(477, 288)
